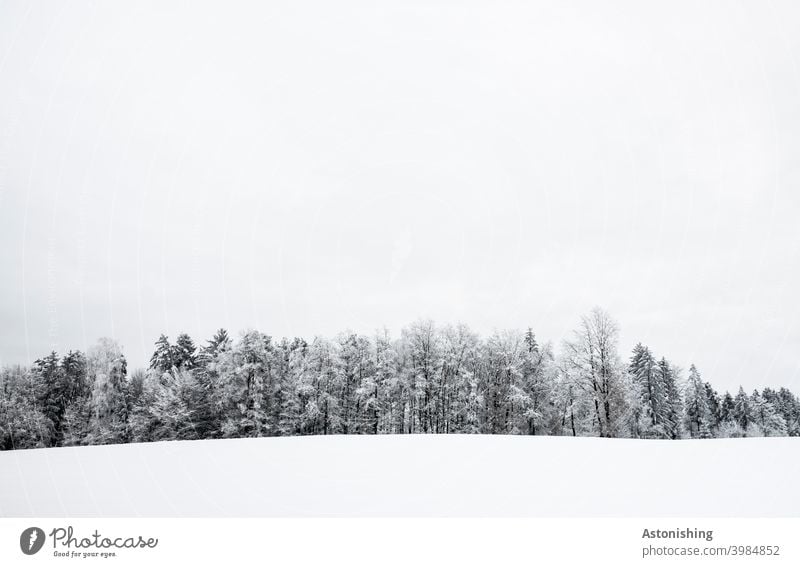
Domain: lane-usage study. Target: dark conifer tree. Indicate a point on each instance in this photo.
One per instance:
(163, 356)
(727, 408)
(673, 410)
(742, 412)
(714, 408)
(184, 353)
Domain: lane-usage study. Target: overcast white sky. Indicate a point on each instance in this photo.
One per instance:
(308, 167)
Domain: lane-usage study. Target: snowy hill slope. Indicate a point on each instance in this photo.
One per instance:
(407, 476)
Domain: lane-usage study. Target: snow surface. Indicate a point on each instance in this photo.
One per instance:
(407, 475)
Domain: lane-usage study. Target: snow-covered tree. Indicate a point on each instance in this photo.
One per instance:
(789, 407)
(538, 383)
(319, 388)
(768, 421)
(109, 404)
(354, 369)
(594, 370)
(697, 418)
(246, 375)
(422, 359)
(672, 414)
(742, 411)
(651, 389)
(23, 425)
(184, 353)
(162, 359)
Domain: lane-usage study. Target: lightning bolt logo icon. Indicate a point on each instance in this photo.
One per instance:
(31, 540)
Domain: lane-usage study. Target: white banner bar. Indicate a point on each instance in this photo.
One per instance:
(401, 542)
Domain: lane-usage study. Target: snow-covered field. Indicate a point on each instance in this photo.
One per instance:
(407, 476)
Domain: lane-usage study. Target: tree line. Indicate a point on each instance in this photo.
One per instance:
(431, 379)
